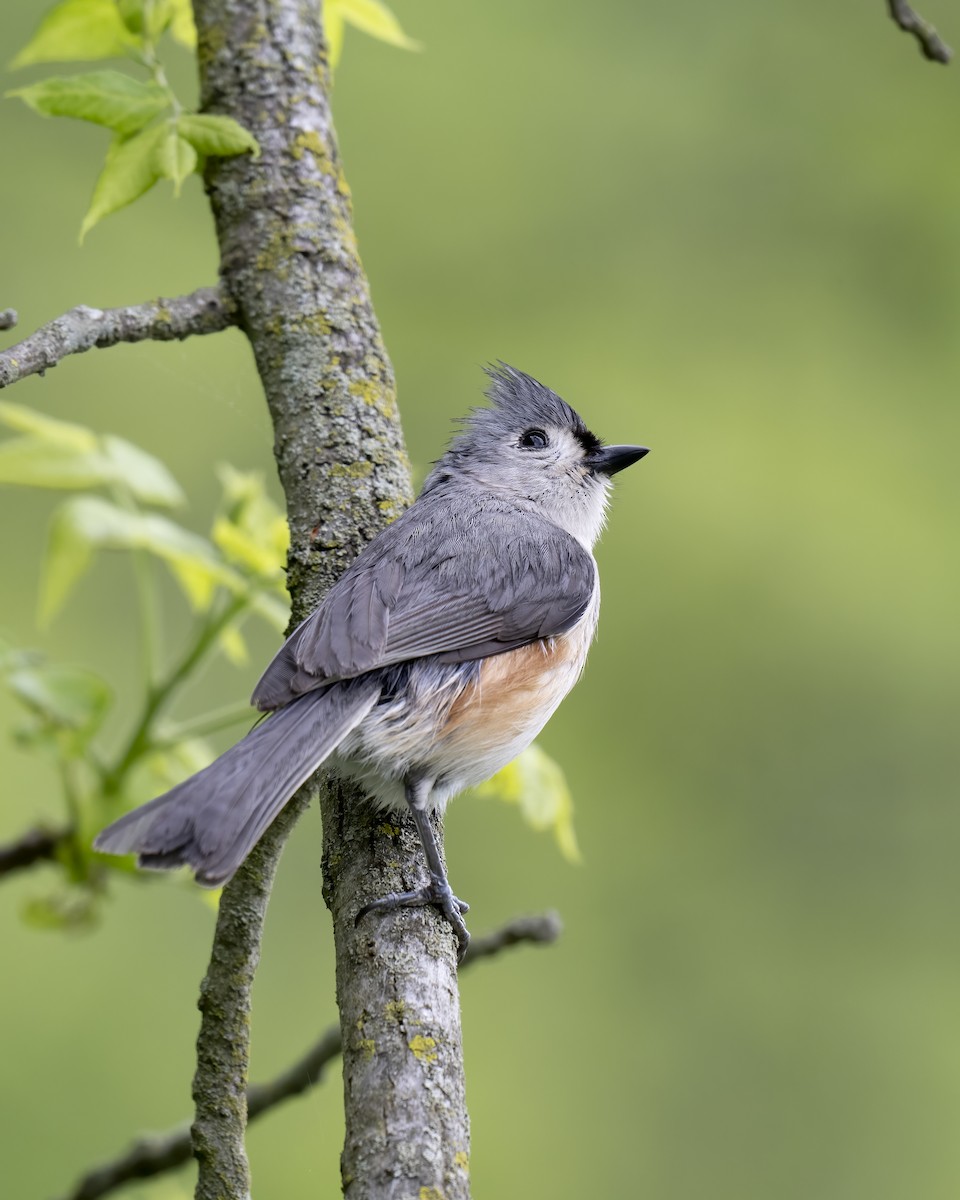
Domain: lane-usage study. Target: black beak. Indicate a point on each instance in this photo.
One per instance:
(608, 460)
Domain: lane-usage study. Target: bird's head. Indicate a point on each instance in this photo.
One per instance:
(531, 447)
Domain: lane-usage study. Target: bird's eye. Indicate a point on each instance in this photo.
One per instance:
(533, 439)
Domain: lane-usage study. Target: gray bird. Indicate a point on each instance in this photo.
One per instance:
(435, 659)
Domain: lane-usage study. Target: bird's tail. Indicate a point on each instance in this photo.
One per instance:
(212, 821)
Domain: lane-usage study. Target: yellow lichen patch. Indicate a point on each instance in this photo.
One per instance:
(395, 1011)
(430, 1193)
(388, 829)
(462, 1160)
(391, 509)
(424, 1049)
(310, 140)
(368, 390)
(367, 1047)
(355, 470)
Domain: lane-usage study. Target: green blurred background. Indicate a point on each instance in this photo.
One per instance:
(731, 232)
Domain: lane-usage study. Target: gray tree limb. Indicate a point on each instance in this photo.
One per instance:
(204, 311)
(289, 262)
(36, 845)
(8, 319)
(932, 46)
(159, 1153)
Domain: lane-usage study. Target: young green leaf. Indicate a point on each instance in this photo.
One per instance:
(334, 30)
(182, 28)
(78, 31)
(62, 696)
(146, 477)
(86, 523)
(60, 433)
(133, 166)
(60, 455)
(178, 159)
(33, 462)
(106, 98)
(535, 782)
(221, 136)
(252, 532)
(373, 17)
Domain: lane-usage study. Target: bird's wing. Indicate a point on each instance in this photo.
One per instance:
(460, 583)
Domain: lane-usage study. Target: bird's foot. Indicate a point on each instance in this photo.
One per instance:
(438, 893)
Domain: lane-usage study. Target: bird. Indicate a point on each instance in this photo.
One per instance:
(435, 659)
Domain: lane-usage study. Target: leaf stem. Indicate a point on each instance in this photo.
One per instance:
(141, 739)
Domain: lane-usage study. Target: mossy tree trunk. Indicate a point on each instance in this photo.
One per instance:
(289, 263)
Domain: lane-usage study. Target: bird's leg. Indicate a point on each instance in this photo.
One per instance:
(438, 890)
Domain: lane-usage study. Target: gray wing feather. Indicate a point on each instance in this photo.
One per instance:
(211, 821)
(458, 582)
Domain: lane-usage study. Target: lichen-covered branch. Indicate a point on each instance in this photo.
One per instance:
(289, 262)
(203, 311)
(159, 1153)
(932, 46)
(8, 319)
(36, 845)
(223, 1045)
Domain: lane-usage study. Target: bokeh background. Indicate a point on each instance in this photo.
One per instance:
(731, 232)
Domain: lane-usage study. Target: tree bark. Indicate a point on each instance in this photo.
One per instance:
(289, 264)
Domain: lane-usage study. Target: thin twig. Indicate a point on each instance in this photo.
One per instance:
(206, 310)
(36, 845)
(155, 1154)
(8, 318)
(932, 46)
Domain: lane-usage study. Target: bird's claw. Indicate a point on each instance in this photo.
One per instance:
(438, 893)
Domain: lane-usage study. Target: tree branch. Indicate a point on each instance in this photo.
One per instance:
(932, 46)
(36, 845)
(289, 260)
(223, 1045)
(206, 310)
(159, 1153)
(8, 319)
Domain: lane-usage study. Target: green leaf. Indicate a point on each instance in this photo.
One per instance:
(178, 159)
(78, 31)
(132, 14)
(133, 166)
(252, 533)
(107, 98)
(32, 462)
(86, 523)
(334, 29)
(373, 18)
(145, 476)
(182, 28)
(63, 697)
(59, 455)
(61, 433)
(221, 136)
(536, 783)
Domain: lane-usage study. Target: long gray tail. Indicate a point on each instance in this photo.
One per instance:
(212, 821)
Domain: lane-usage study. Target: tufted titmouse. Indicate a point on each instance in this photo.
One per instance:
(435, 659)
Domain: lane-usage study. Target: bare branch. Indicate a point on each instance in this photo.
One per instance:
(932, 46)
(158, 1153)
(206, 310)
(8, 318)
(36, 845)
(540, 930)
